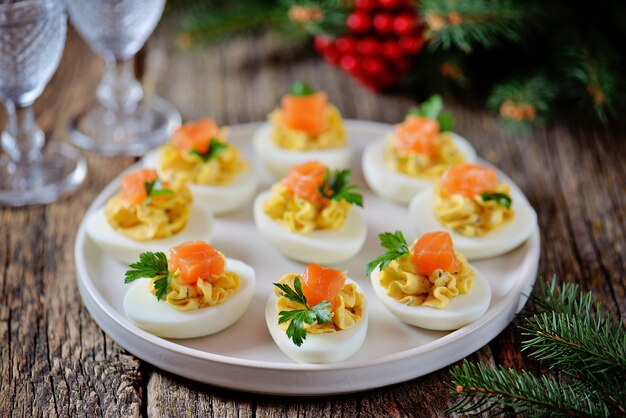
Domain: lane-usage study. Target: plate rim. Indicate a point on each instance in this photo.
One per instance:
(515, 298)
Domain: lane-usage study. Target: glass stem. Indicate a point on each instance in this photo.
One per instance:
(23, 139)
(119, 92)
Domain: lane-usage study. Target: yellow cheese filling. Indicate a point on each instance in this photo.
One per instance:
(346, 314)
(471, 217)
(303, 216)
(411, 288)
(333, 137)
(420, 165)
(163, 217)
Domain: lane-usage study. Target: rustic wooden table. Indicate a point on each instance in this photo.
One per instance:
(55, 360)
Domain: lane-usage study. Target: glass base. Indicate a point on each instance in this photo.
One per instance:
(59, 171)
(150, 125)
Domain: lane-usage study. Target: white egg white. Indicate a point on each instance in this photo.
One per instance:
(277, 160)
(218, 199)
(461, 310)
(499, 241)
(159, 318)
(323, 247)
(199, 227)
(396, 186)
(318, 348)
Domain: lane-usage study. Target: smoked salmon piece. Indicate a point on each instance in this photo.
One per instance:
(418, 135)
(321, 283)
(133, 185)
(305, 113)
(433, 251)
(305, 179)
(468, 180)
(195, 135)
(196, 260)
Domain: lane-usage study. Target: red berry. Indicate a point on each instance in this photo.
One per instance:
(411, 44)
(365, 4)
(350, 64)
(402, 65)
(390, 4)
(345, 45)
(321, 43)
(391, 50)
(373, 66)
(332, 55)
(367, 46)
(404, 24)
(358, 22)
(383, 23)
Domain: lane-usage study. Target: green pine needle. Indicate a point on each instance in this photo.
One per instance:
(574, 336)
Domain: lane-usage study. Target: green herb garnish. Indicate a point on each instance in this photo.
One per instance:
(431, 109)
(215, 149)
(152, 265)
(300, 88)
(155, 188)
(500, 198)
(396, 248)
(337, 187)
(300, 317)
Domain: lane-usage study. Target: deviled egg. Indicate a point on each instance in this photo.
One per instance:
(415, 154)
(317, 317)
(194, 292)
(199, 155)
(429, 284)
(305, 128)
(309, 215)
(147, 215)
(485, 217)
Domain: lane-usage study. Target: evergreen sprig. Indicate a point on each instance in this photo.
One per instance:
(576, 337)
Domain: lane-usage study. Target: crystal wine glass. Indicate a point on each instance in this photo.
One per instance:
(121, 123)
(32, 37)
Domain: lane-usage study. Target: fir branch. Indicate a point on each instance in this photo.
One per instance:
(482, 386)
(464, 24)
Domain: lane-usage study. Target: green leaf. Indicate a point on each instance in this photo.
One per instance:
(216, 148)
(396, 246)
(446, 122)
(155, 188)
(300, 88)
(429, 109)
(337, 187)
(299, 317)
(501, 198)
(150, 265)
(161, 285)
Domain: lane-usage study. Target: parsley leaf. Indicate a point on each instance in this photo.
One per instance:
(431, 109)
(155, 188)
(300, 317)
(215, 149)
(337, 187)
(500, 198)
(300, 88)
(153, 266)
(396, 248)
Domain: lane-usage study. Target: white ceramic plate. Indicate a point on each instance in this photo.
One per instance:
(244, 356)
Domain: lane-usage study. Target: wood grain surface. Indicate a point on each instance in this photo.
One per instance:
(55, 360)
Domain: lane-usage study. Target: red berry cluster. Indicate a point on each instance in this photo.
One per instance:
(381, 38)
